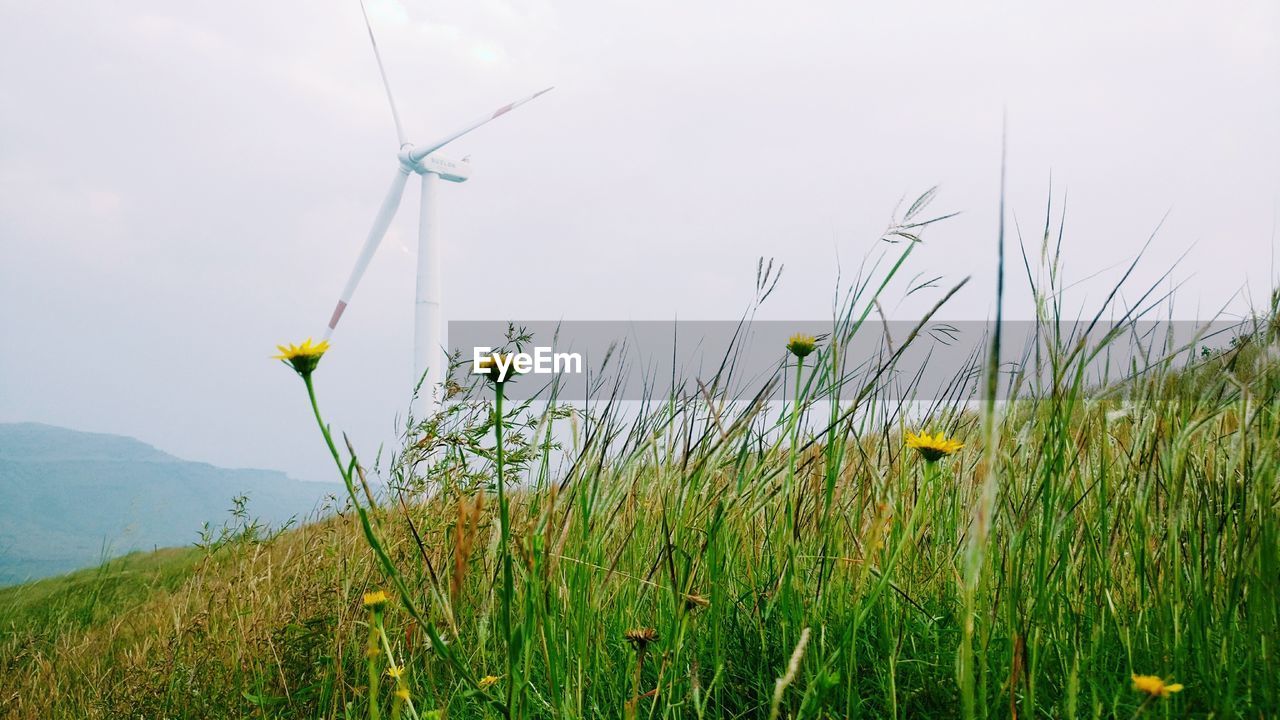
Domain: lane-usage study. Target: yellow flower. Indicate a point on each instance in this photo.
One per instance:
(488, 681)
(403, 694)
(934, 448)
(395, 672)
(376, 600)
(492, 365)
(1155, 687)
(304, 357)
(801, 345)
(640, 637)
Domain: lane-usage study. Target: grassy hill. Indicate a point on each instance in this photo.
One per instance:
(1082, 550)
(68, 498)
(1136, 535)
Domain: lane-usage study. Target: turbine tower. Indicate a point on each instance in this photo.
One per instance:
(426, 162)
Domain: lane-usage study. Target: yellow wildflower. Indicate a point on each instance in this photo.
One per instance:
(376, 600)
(403, 694)
(488, 681)
(1153, 686)
(492, 367)
(395, 672)
(304, 357)
(801, 345)
(933, 448)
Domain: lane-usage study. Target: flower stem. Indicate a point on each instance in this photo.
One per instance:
(372, 651)
(389, 567)
(794, 433)
(508, 583)
(399, 702)
(633, 705)
(328, 439)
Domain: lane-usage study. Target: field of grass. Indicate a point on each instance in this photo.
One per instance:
(714, 556)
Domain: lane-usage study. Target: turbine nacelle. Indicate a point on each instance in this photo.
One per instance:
(448, 169)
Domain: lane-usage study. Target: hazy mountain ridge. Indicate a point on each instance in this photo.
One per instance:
(67, 498)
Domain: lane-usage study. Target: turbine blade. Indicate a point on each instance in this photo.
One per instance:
(420, 152)
(395, 114)
(386, 213)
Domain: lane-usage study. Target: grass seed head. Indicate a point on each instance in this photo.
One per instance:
(694, 601)
(641, 637)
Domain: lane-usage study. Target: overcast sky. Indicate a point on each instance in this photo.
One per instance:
(183, 185)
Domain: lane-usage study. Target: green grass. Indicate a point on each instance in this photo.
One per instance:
(78, 600)
(1082, 534)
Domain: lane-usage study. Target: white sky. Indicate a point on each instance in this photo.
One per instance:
(182, 185)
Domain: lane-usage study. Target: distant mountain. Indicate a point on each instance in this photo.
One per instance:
(69, 498)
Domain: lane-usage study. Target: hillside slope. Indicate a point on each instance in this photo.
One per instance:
(68, 498)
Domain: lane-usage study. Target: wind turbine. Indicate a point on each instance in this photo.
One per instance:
(425, 162)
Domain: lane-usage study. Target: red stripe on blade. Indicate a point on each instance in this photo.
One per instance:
(337, 313)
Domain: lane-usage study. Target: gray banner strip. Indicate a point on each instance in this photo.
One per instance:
(635, 360)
